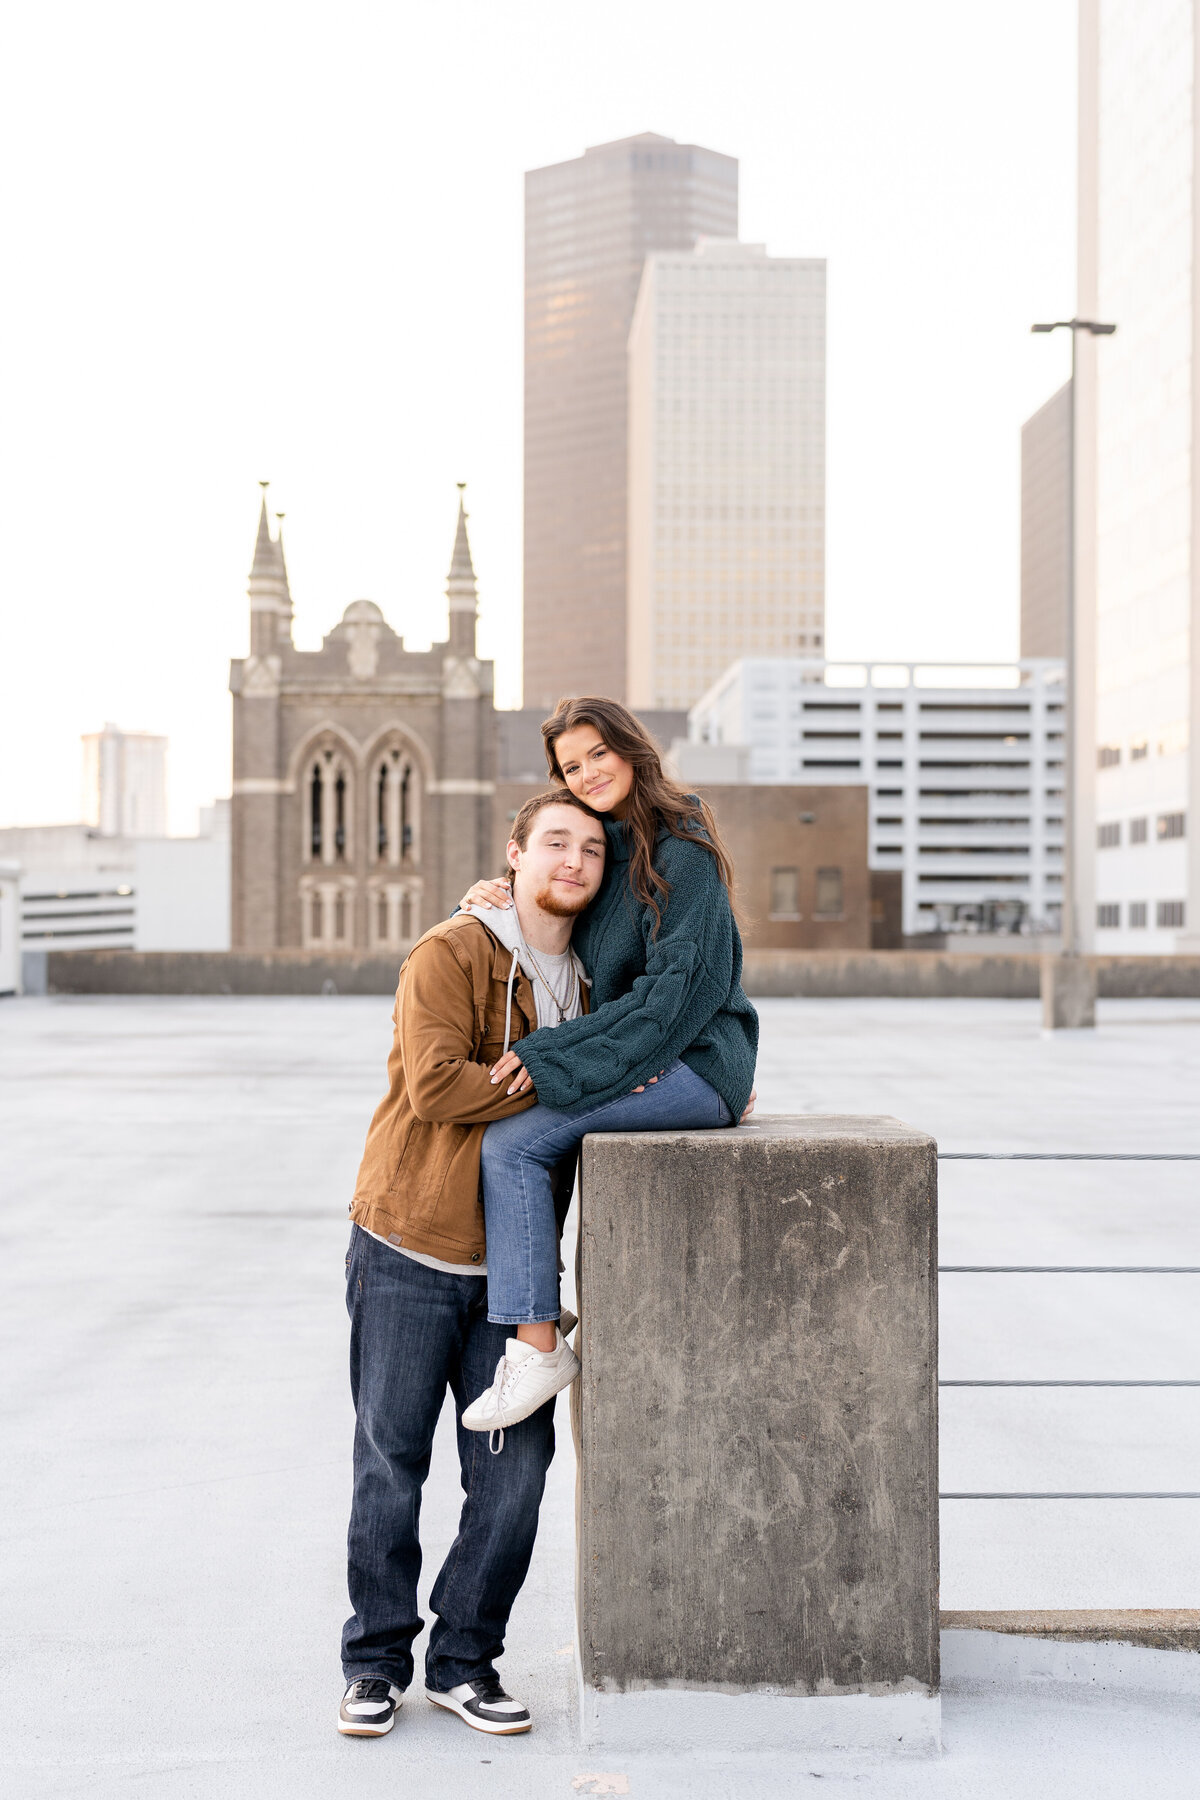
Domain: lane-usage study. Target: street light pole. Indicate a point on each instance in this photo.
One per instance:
(1069, 905)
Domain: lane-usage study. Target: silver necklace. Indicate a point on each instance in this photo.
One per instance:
(557, 1004)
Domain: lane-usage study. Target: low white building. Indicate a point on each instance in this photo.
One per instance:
(10, 928)
(964, 769)
(81, 889)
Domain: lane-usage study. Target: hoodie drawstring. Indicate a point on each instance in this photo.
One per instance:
(512, 976)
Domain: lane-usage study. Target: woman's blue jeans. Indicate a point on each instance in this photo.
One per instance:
(518, 1201)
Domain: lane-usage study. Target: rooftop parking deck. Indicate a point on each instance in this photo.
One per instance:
(177, 1421)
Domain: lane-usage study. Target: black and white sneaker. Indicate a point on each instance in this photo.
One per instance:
(369, 1707)
(485, 1706)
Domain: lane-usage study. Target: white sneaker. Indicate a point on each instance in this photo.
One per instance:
(369, 1707)
(525, 1379)
(485, 1706)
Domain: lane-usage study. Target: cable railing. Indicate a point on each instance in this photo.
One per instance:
(1156, 1156)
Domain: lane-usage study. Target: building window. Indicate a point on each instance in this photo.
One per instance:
(1108, 837)
(381, 917)
(1138, 831)
(785, 893)
(339, 916)
(1138, 752)
(406, 830)
(381, 813)
(339, 818)
(317, 919)
(1171, 825)
(1108, 916)
(1137, 915)
(1169, 914)
(1108, 756)
(314, 830)
(829, 894)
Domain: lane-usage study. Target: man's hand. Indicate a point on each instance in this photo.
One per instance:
(510, 1064)
(749, 1106)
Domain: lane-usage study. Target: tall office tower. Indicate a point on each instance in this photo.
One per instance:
(125, 783)
(1137, 838)
(726, 466)
(589, 225)
(1045, 522)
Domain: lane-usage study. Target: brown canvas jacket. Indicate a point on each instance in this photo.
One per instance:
(418, 1183)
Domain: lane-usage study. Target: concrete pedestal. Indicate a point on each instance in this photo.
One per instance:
(758, 1438)
(1068, 993)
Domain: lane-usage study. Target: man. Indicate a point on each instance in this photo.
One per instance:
(417, 1288)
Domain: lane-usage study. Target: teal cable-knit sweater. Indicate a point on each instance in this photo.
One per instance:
(653, 998)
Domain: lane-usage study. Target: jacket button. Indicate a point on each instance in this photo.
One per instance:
(475, 1256)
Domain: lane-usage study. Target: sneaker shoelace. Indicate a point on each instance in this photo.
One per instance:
(369, 1687)
(508, 1374)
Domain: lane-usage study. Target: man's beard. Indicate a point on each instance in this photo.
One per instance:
(549, 902)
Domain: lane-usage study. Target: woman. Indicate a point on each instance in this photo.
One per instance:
(669, 1043)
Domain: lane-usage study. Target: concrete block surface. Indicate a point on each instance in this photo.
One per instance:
(758, 1479)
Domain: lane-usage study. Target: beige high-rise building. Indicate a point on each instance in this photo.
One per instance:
(125, 783)
(726, 466)
(589, 225)
(1045, 523)
(1137, 480)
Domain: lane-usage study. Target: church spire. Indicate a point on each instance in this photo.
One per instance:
(461, 589)
(264, 548)
(270, 596)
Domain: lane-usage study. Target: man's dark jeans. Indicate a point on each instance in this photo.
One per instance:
(415, 1332)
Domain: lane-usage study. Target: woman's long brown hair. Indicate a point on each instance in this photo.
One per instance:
(654, 802)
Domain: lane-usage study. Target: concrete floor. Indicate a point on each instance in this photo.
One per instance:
(174, 1483)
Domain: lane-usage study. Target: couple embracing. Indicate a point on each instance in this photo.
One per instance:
(597, 989)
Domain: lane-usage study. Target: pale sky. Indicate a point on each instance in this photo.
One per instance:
(284, 241)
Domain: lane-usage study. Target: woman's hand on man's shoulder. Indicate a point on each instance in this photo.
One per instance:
(485, 894)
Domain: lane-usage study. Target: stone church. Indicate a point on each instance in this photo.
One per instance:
(373, 784)
(363, 772)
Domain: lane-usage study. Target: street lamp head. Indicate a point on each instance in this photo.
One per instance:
(1091, 325)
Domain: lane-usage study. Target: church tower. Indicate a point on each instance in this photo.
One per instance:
(363, 772)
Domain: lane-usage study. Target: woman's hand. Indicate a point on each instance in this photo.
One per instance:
(646, 1084)
(749, 1106)
(487, 893)
(511, 1064)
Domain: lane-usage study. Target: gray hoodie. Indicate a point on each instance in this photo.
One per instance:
(505, 926)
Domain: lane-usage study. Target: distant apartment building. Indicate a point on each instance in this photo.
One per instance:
(589, 225)
(726, 466)
(125, 783)
(84, 889)
(1138, 480)
(1045, 526)
(965, 778)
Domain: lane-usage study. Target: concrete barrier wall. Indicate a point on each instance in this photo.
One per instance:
(212, 972)
(816, 974)
(929, 975)
(758, 1507)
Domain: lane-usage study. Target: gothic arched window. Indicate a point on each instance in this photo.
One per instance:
(339, 816)
(381, 814)
(314, 832)
(406, 832)
(318, 918)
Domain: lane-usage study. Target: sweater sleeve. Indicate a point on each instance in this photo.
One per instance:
(689, 969)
